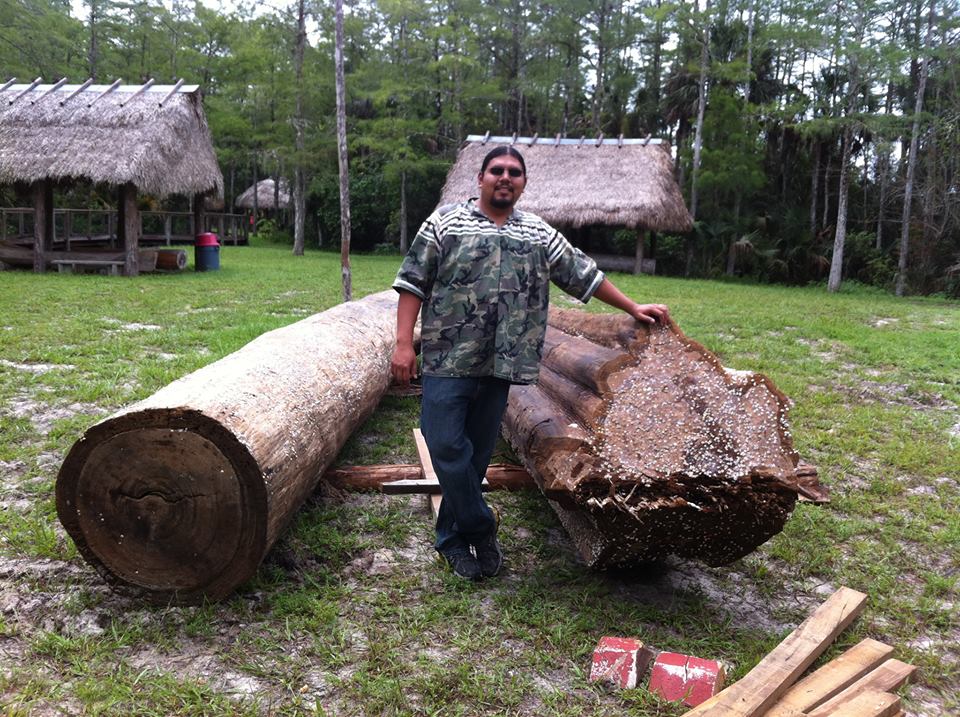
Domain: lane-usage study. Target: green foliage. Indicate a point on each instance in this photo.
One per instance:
(420, 77)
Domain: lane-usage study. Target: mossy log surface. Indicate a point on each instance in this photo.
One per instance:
(647, 446)
(180, 496)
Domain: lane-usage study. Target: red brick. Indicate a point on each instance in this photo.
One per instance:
(681, 677)
(620, 661)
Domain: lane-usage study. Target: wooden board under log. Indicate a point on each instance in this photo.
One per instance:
(182, 494)
(647, 446)
(404, 478)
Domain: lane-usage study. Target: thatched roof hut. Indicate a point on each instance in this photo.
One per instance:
(265, 189)
(152, 136)
(139, 138)
(576, 183)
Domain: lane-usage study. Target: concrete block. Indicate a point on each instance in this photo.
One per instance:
(682, 677)
(620, 661)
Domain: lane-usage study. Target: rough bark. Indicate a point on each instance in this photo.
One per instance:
(182, 494)
(646, 446)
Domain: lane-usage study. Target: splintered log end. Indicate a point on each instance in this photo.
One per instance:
(166, 502)
(680, 455)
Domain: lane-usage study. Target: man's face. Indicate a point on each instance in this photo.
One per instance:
(502, 182)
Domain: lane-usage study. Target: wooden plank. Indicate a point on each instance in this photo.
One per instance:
(832, 678)
(435, 501)
(423, 454)
(888, 677)
(408, 478)
(760, 688)
(871, 703)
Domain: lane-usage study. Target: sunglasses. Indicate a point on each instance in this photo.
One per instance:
(498, 171)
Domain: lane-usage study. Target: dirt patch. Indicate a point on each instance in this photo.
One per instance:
(37, 368)
(198, 661)
(43, 415)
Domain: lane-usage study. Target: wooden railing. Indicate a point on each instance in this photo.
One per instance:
(99, 226)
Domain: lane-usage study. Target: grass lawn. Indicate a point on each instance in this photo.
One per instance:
(350, 614)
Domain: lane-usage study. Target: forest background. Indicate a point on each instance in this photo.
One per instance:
(803, 114)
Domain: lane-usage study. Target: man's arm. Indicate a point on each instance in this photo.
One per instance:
(649, 313)
(403, 365)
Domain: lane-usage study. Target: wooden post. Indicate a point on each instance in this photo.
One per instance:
(130, 228)
(42, 223)
(198, 227)
(220, 227)
(167, 219)
(111, 227)
(638, 256)
(3, 224)
(67, 227)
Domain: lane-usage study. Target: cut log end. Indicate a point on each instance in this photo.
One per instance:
(165, 502)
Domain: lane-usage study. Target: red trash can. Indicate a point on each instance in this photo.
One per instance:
(206, 252)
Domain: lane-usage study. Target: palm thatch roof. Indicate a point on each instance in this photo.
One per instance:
(575, 183)
(155, 136)
(265, 195)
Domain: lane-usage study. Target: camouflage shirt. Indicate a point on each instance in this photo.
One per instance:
(485, 290)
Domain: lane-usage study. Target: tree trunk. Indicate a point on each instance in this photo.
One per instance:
(840, 234)
(342, 158)
(256, 195)
(647, 446)
(912, 159)
(182, 494)
(698, 132)
(404, 242)
(299, 200)
(814, 188)
(93, 56)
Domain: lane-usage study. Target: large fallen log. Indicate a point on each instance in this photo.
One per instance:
(646, 446)
(183, 494)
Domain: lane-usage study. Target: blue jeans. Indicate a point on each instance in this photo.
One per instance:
(460, 421)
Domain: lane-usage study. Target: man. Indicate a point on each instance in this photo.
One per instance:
(480, 273)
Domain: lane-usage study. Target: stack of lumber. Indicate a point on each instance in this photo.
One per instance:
(647, 446)
(861, 682)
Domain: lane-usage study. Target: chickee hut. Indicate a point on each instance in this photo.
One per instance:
(577, 183)
(137, 138)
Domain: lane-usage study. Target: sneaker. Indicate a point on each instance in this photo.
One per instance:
(489, 555)
(463, 564)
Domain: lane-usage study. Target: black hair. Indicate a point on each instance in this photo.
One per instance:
(499, 152)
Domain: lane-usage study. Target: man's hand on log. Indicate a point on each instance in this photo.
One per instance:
(650, 313)
(403, 365)
(647, 313)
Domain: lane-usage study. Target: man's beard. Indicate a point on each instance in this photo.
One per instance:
(501, 203)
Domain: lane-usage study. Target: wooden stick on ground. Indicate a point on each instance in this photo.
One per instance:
(756, 692)
(832, 678)
(408, 478)
(869, 704)
(889, 677)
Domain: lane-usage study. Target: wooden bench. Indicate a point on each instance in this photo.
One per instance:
(112, 266)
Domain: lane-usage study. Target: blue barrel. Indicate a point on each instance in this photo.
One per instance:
(206, 252)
